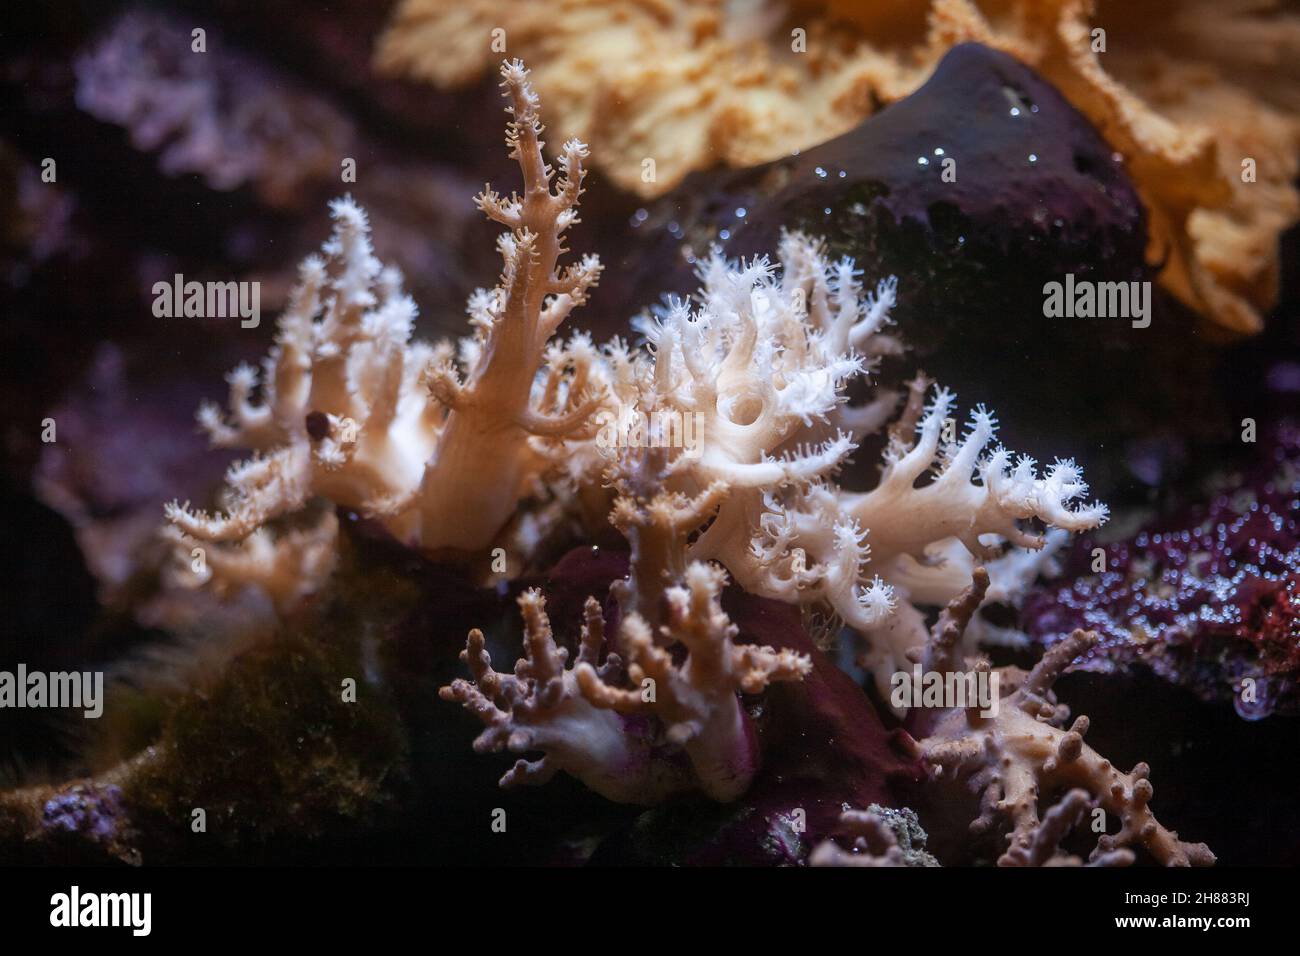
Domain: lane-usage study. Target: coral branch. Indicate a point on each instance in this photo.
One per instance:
(696, 701)
(435, 442)
(538, 709)
(1044, 846)
(286, 567)
(1018, 757)
(624, 733)
(757, 375)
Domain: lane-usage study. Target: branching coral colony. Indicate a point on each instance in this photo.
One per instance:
(622, 741)
(444, 444)
(1018, 757)
(437, 443)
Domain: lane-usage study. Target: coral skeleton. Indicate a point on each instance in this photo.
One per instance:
(622, 726)
(437, 442)
(1020, 757)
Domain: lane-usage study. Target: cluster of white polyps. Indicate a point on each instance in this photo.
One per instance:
(763, 363)
(438, 442)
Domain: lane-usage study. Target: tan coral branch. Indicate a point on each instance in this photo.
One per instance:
(1020, 756)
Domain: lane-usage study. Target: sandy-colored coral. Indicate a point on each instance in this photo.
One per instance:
(1044, 845)
(440, 442)
(621, 726)
(1019, 756)
(1186, 95)
(685, 84)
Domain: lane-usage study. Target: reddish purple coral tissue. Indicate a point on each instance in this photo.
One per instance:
(1209, 600)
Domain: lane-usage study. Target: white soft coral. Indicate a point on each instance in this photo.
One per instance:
(340, 416)
(763, 363)
(438, 442)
